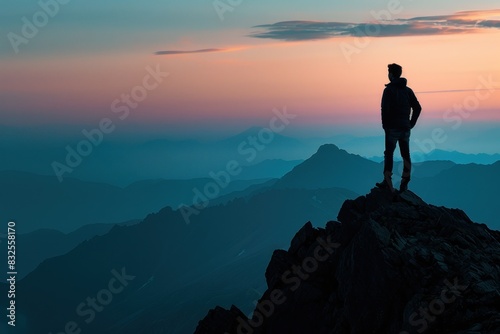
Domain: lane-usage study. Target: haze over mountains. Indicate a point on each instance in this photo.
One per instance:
(181, 270)
(122, 161)
(35, 247)
(42, 202)
(177, 267)
(456, 157)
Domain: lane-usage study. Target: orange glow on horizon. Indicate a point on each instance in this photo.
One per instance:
(247, 81)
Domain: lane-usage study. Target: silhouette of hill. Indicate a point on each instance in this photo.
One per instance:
(250, 148)
(177, 267)
(246, 193)
(35, 247)
(430, 168)
(42, 202)
(463, 158)
(471, 187)
(333, 167)
(180, 271)
(454, 156)
(389, 265)
(152, 156)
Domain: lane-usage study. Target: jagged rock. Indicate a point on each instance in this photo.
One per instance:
(220, 320)
(392, 264)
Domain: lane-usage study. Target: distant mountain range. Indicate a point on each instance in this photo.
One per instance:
(333, 167)
(35, 247)
(43, 202)
(124, 162)
(174, 264)
(471, 187)
(454, 156)
(180, 270)
(128, 160)
(329, 167)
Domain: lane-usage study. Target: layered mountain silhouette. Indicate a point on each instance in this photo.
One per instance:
(182, 270)
(388, 265)
(471, 187)
(179, 270)
(456, 157)
(40, 201)
(332, 167)
(35, 247)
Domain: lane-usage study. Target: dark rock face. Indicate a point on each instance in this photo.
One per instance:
(391, 265)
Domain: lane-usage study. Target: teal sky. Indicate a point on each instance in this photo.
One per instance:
(86, 27)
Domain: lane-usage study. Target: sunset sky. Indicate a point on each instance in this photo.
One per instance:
(230, 65)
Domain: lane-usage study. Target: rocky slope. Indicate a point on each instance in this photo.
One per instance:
(389, 265)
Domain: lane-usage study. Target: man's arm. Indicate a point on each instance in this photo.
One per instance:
(385, 107)
(415, 106)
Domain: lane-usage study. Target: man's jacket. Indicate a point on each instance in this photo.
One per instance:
(398, 102)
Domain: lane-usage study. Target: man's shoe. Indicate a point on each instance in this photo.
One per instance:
(404, 184)
(385, 185)
(382, 185)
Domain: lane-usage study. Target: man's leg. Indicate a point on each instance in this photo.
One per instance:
(404, 147)
(391, 139)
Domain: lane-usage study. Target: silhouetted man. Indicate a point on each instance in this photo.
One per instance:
(400, 111)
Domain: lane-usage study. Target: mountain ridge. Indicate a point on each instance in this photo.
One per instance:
(177, 266)
(388, 265)
(332, 166)
(229, 247)
(454, 156)
(32, 198)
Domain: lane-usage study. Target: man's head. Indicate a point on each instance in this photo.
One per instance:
(395, 71)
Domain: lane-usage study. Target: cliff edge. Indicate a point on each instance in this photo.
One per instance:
(388, 265)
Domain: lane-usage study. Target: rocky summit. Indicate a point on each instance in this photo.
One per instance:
(390, 264)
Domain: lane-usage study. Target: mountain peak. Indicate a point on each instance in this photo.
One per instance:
(327, 149)
(391, 264)
(330, 167)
